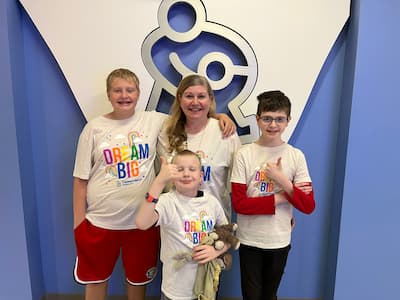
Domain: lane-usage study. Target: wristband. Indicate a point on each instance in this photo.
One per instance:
(150, 198)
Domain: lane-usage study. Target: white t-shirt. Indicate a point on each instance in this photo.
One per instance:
(216, 158)
(267, 231)
(183, 221)
(117, 157)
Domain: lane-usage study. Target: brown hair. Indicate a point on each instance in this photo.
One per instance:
(176, 123)
(273, 101)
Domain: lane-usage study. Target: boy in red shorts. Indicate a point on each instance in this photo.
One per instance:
(113, 171)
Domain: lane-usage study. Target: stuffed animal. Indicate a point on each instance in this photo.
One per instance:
(225, 234)
(207, 276)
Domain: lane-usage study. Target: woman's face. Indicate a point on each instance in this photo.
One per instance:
(195, 103)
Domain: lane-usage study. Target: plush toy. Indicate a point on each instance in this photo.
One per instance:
(207, 276)
(225, 234)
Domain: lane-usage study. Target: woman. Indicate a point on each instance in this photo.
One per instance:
(191, 127)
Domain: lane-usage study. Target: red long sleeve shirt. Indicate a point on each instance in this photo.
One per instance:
(265, 205)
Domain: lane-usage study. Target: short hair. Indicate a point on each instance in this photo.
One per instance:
(273, 101)
(187, 152)
(124, 74)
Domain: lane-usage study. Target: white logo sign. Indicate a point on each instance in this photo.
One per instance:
(264, 45)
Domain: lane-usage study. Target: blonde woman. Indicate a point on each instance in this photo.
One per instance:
(191, 126)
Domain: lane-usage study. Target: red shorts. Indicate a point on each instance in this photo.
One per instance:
(98, 250)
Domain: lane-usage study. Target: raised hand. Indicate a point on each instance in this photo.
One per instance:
(168, 171)
(274, 171)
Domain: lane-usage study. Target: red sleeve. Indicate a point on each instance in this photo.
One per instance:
(264, 205)
(302, 201)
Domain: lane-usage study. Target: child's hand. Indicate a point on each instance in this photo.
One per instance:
(227, 126)
(274, 171)
(205, 253)
(305, 187)
(168, 171)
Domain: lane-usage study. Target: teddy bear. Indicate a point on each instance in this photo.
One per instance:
(207, 275)
(225, 234)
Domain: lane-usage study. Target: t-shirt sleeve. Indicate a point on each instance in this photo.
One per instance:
(300, 200)
(221, 218)
(84, 154)
(301, 174)
(163, 144)
(159, 117)
(164, 210)
(238, 173)
(234, 145)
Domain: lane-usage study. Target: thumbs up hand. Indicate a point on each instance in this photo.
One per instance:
(274, 170)
(168, 171)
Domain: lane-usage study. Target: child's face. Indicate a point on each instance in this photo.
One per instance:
(123, 96)
(272, 124)
(191, 176)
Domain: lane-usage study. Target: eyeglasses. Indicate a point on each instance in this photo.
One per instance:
(278, 120)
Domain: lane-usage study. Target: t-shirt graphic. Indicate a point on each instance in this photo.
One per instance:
(261, 184)
(197, 228)
(124, 160)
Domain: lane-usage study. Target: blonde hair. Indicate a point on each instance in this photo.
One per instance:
(124, 74)
(186, 152)
(175, 127)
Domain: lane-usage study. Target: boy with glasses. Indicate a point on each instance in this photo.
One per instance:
(269, 178)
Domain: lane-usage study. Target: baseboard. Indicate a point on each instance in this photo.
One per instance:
(81, 297)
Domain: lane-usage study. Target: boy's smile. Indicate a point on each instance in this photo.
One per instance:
(190, 170)
(272, 125)
(123, 96)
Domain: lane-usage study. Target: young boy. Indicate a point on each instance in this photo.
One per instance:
(113, 170)
(269, 178)
(184, 215)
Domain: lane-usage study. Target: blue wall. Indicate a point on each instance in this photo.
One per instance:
(348, 249)
(369, 243)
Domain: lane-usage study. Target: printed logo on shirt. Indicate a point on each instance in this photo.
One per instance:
(123, 161)
(264, 184)
(197, 228)
(206, 173)
(205, 168)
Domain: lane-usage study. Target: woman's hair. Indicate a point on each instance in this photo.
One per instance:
(124, 74)
(176, 124)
